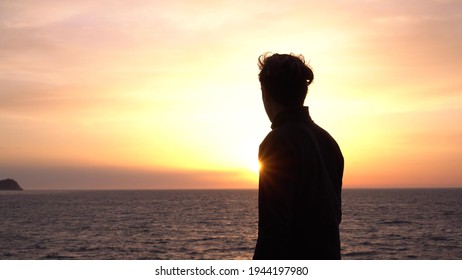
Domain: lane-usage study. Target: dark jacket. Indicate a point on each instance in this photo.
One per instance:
(299, 197)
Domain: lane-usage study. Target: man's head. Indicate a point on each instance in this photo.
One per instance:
(284, 78)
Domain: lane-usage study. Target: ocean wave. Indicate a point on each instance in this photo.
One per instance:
(395, 222)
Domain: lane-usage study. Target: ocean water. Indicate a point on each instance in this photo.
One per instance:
(216, 224)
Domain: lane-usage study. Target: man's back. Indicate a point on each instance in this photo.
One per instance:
(299, 190)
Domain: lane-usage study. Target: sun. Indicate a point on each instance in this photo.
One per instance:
(247, 159)
(252, 164)
(256, 166)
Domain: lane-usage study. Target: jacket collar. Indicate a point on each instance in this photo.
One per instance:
(298, 114)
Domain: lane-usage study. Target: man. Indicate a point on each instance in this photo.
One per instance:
(299, 197)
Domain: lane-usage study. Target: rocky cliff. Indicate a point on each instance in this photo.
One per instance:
(9, 185)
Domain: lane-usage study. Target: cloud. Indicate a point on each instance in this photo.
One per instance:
(74, 177)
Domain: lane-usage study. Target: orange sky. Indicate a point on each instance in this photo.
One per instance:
(164, 94)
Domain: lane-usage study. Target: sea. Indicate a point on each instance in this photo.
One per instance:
(378, 224)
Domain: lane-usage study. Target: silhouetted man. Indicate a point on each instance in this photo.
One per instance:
(299, 197)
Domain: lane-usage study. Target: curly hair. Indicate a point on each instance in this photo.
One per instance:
(285, 77)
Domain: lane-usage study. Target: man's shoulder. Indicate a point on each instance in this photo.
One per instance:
(279, 134)
(324, 134)
(274, 136)
(283, 139)
(288, 134)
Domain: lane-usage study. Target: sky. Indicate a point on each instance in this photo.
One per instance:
(164, 94)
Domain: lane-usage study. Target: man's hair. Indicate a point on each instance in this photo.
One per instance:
(285, 77)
